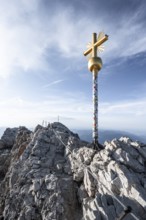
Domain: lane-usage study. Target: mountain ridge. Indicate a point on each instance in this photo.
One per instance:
(50, 174)
(105, 134)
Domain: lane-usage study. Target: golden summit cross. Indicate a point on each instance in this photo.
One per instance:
(94, 65)
(96, 42)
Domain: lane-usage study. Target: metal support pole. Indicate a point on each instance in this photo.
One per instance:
(95, 108)
(95, 95)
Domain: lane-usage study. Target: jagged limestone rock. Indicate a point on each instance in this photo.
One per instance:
(50, 174)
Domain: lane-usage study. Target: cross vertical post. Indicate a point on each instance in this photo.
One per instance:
(94, 65)
(94, 49)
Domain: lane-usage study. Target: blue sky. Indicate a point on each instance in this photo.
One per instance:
(43, 72)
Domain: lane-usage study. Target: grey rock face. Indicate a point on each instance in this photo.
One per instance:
(52, 175)
(36, 185)
(6, 143)
(8, 137)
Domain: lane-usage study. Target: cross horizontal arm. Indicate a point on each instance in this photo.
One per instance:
(97, 44)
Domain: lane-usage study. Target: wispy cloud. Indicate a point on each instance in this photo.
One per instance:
(29, 37)
(53, 83)
(16, 111)
(132, 108)
(126, 115)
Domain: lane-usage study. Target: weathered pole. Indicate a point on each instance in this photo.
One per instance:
(95, 106)
(95, 93)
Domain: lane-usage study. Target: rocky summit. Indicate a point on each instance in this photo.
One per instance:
(50, 174)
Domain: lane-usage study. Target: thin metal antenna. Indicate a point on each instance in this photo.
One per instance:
(94, 65)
